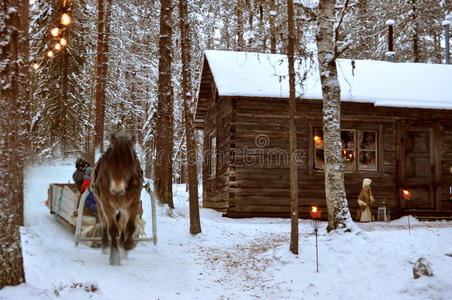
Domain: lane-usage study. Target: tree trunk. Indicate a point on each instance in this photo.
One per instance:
(195, 224)
(105, 55)
(100, 99)
(415, 32)
(272, 27)
(338, 212)
(165, 110)
(240, 41)
(14, 17)
(292, 135)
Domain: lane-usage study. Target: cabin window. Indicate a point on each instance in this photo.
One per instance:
(359, 149)
(213, 154)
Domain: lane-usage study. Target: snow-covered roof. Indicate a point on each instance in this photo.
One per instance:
(415, 85)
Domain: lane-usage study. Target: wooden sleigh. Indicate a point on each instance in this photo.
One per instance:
(62, 204)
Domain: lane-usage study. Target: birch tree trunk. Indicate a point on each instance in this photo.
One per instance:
(195, 224)
(165, 110)
(14, 18)
(292, 135)
(338, 213)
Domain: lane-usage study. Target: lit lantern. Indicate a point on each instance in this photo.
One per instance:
(57, 47)
(63, 42)
(318, 141)
(35, 66)
(55, 32)
(66, 19)
(315, 212)
(50, 53)
(406, 194)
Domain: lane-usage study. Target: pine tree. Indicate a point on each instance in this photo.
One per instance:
(165, 109)
(292, 133)
(13, 119)
(195, 225)
(58, 90)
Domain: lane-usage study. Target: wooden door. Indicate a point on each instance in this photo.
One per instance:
(418, 167)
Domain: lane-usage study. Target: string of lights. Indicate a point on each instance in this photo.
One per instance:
(59, 41)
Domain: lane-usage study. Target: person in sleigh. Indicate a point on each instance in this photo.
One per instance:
(90, 202)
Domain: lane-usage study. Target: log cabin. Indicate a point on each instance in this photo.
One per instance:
(396, 129)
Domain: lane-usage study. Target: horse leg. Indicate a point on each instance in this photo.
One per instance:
(112, 226)
(103, 222)
(132, 210)
(114, 250)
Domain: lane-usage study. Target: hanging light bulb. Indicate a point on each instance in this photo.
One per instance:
(55, 32)
(50, 53)
(35, 66)
(63, 42)
(57, 47)
(65, 19)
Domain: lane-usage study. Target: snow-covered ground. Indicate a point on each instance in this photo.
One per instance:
(231, 259)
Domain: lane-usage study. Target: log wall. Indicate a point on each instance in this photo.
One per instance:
(252, 177)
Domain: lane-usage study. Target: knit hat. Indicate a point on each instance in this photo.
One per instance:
(89, 170)
(81, 163)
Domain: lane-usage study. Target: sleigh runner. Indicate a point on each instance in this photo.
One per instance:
(67, 206)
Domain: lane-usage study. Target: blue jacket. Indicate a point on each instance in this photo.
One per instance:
(90, 202)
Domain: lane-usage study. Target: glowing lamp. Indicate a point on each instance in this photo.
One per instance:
(50, 53)
(35, 66)
(406, 194)
(66, 19)
(63, 42)
(57, 47)
(318, 141)
(315, 212)
(55, 32)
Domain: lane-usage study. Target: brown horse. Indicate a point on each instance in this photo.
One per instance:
(117, 187)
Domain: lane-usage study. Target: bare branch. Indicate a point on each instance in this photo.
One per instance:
(336, 30)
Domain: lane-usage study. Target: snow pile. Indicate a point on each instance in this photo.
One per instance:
(383, 83)
(404, 221)
(231, 259)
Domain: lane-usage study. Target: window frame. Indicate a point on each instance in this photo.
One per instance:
(213, 155)
(356, 149)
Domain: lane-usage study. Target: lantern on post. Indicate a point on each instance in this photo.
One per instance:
(406, 196)
(315, 215)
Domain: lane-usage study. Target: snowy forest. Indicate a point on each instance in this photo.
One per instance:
(73, 72)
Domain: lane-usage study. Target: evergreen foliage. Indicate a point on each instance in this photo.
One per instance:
(59, 93)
